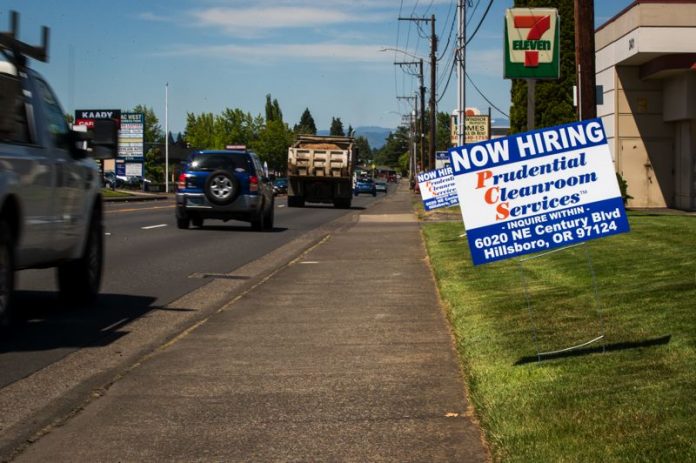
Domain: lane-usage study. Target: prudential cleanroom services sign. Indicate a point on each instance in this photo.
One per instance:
(537, 191)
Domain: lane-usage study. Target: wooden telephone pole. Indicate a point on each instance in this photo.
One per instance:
(585, 59)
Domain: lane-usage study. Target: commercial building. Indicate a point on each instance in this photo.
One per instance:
(646, 74)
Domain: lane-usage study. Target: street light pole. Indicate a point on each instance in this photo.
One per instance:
(166, 137)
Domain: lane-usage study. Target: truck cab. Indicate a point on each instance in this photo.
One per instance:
(50, 187)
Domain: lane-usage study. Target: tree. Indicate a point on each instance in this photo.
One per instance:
(554, 98)
(200, 130)
(396, 144)
(362, 145)
(272, 145)
(306, 125)
(153, 132)
(153, 138)
(273, 112)
(350, 132)
(443, 134)
(336, 127)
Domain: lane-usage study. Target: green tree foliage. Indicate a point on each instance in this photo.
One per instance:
(153, 136)
(272, 145)
(153, 132)
(306, 125)
(442, 135)
(337, 127)
(396, 144)
(273, 112)
(200, 131)
(364, 151)
(554, 98)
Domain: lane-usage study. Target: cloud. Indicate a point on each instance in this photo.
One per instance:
(282, 51)
(241, 21)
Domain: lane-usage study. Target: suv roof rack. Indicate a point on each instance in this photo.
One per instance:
(16, 50)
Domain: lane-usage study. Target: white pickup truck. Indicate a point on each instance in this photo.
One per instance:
(50, 187)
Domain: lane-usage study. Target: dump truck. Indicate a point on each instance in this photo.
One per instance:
(320, 170)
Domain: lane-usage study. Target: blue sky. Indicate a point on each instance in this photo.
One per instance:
(217, 54)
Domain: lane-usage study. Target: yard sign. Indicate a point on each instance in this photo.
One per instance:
(537, 190)
(437, 188)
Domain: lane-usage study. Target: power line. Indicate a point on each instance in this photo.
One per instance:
(488, 8)
(485, 98)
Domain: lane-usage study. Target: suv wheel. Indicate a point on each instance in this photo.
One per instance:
(6, 272)
(79, 280)
(259, 222)
(182, 222)
(221, 187)
(269, 217)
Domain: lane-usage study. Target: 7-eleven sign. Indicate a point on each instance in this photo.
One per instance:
(532, 46)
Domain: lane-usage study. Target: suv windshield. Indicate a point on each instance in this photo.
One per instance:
(210, 162)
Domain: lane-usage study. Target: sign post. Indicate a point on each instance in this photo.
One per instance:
(532, 49)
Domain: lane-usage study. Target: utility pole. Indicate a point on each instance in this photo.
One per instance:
(433, 71)
(412, 125)
(433, 93)
(420, 109)
(461, 75)
(585, 59)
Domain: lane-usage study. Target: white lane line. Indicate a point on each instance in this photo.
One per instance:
(154, 226)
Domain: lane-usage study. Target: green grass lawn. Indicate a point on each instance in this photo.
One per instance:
(108, 193)
(629, 397)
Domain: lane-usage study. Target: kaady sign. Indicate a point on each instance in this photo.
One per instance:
(532, 47)
(538, 190)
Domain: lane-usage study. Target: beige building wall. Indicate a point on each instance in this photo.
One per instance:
(646, 67)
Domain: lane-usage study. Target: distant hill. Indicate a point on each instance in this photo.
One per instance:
(376, 136)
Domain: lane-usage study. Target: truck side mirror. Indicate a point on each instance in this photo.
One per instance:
(104, 141)
(98, 142)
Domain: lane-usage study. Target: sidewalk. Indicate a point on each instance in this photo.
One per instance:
(344, 355)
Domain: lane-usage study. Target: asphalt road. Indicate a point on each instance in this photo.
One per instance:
(149, 264)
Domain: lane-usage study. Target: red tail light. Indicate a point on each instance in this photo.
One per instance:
(181, 184)
(253, 183)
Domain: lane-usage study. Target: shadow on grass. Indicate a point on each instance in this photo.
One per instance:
(596, 350)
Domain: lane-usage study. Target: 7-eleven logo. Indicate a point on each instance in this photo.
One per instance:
(537, 26)
(531, 36)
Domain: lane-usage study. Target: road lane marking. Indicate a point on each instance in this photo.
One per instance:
(154, 226)
(136, 209)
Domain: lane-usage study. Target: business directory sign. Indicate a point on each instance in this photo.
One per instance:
(537, 191)
(437, 188)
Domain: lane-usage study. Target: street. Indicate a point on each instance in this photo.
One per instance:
(150, 265)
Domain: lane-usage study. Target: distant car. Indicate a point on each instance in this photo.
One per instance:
(224, 185)
(381, 186)
(280, 186)
(111, 180)
(365, 185)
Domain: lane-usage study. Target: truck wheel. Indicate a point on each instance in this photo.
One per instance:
(221, 187)
(342, 203)
(197, 221)
(79, 280)
(295, 201)
(6, 273)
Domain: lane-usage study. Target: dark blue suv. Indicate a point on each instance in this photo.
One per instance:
(224, 185)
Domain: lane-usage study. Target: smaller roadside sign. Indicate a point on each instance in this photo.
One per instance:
(437, 188)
